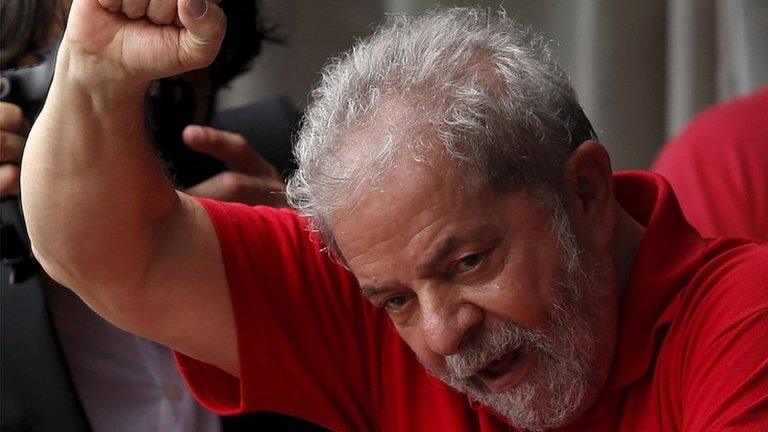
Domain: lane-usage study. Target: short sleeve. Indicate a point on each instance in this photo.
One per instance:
(306, 336)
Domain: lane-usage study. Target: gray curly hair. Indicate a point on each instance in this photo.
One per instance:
(464, 83)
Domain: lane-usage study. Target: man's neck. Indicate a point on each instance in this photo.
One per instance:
(629, 235)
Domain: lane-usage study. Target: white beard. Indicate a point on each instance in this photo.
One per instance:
(567, 369)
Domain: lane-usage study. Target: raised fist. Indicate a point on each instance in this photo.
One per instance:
(144, 39)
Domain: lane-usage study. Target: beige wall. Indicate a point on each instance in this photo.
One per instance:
(313, 31)
(641, 68)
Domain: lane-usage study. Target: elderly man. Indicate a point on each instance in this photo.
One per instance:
(447, 164)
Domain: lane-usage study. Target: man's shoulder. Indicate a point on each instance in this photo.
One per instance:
(242, 226)
(715, 349)
(242, 212)
(263, 244)
(737, 264)
(731, 286)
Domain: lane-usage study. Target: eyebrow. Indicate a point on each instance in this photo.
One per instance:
(447, 247)
(372, 290)
(450, 244)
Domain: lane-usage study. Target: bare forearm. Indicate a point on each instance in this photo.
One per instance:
(93, 192)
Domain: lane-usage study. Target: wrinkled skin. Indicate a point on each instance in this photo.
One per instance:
(467, 277)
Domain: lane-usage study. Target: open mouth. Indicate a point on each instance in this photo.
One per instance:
(503, 372)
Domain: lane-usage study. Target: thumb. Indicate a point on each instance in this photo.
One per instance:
(200, 39)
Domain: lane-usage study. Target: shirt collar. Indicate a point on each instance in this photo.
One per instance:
(669, 254)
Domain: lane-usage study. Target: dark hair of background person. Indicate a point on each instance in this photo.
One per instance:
(245, 35)
(175, 102)
(25, 27)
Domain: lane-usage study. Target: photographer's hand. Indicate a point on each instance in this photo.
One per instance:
(102, 217)
(13, 135)
(251, 179)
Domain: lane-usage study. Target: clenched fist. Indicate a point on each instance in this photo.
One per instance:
(142, 40)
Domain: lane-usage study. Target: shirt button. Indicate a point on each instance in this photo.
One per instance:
(173, 393)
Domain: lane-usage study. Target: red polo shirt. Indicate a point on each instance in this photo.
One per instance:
(692, 348)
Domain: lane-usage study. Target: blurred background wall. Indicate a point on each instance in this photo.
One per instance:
(642, 69)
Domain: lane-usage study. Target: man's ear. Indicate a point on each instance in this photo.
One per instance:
(588, 190)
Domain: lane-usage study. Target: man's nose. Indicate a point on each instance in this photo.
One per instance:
(447, 321)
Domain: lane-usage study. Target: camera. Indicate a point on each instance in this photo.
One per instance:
(26, 87)
(171, 105)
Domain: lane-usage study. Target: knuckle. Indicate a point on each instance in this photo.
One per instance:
(206, 134)
(160, 19)
(9, 170)
(159, 13)
(132, 9)
(133, 14)
(10, 144)
(238, 145)
(9, 175)
(277, 186)
(11, 113)
(231, 184)
(111, 5)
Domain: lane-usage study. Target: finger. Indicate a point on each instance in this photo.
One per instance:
(134, 8)
(9, 180)
(11, 147)
(161, 12)
(236, 187)
(12, 119)
(112, 5)
(204, 26)
(230, 148)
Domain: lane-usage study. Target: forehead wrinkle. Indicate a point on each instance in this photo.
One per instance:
(453, 242)
(423, 229)
(419, 191)
(398, 236)
(369, 254)
(373, 289)
(444, 248)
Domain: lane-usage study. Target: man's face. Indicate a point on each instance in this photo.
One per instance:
(492, 295)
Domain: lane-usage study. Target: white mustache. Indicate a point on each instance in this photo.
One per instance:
(484, 347)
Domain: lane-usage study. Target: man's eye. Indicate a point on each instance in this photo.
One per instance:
(469, 262)
(395, 303)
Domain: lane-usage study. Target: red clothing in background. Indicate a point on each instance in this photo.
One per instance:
(691, 354)
(718, 167)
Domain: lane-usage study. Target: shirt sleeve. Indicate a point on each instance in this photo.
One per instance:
(725, 378)
(306, 337)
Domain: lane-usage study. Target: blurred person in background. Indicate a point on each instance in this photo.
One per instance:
(64, 367)
(718, 167)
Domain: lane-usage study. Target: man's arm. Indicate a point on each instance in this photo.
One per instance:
(102, 217)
